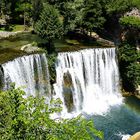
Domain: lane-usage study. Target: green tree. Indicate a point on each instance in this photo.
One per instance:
(5, 6)
(5, 11)
(93, 18)
(50, 24)
(24, 8)
(37, 6)
(129, 55)
(129, 66)
(29, 119)
(118, 7)
(133, 74)
(71, 12)
(130, 22)
(5, 115)
(136, 3)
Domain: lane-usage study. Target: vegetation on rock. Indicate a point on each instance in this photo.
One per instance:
(130, 21)
(129, 66)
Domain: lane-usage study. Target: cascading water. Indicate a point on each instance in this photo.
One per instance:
(87, 81)
(28, 72)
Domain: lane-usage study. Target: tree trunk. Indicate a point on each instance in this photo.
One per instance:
(25, 18)
(24, 22)
(50, 47)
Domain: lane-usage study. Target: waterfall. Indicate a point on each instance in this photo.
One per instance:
(29, 73)
(87, 81)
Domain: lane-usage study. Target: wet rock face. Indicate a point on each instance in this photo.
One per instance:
(1, 77)
(138, 92)
(68, 99)
(68, 91)
(29, 48)
(67, 80)
(134, 12)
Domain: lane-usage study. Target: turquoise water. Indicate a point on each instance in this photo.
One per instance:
(120, 120)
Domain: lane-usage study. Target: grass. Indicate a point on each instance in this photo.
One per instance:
(9, 54)
(74, 45)
(2, 29)
(10, 47)
(20, 40)
(72, 42)
(15, 28)
(131, 21)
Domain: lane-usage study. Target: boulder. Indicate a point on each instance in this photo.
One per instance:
(5, 34)
(2, 22)
(134, 12)
(29, 48)
(137, 94)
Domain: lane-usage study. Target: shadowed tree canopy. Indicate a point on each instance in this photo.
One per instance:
(29, 119)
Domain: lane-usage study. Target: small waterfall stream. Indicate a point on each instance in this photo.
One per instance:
(87, 81)
(28, 72)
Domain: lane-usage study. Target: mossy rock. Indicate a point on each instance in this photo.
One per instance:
(67, 80)
(68, 99)
(9, 54)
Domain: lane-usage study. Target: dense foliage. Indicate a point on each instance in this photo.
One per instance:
(93, 15)
(85, 14)
(129, 52)
(130, 21)
(51, 19)
(29, 119)
(49, 25)
(129, 66)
